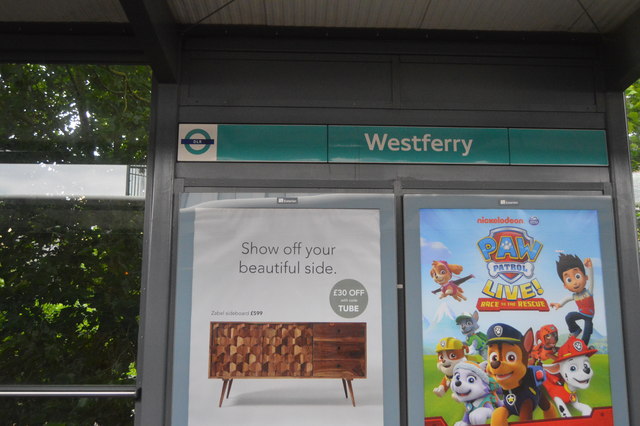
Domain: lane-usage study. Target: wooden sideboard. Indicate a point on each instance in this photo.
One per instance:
(251, 350)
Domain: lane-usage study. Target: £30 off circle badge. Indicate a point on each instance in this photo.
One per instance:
(348, 298)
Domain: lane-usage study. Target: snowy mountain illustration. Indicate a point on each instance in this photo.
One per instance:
(442, 325)
(444, 311)
(596, 335)
(425, 322)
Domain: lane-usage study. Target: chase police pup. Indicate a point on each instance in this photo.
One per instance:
(508, 358)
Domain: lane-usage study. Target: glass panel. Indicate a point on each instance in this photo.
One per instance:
(69, 285)
(193, 198)
(67, 411)
(72, 141)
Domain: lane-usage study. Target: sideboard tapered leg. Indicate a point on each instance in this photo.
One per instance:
(353, 399)
(344, 386)
(229, 388)
(224, 388)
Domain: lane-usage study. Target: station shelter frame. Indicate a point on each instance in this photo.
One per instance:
(452, 82)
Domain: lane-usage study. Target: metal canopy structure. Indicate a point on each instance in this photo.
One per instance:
(151, 31)
(548, 64)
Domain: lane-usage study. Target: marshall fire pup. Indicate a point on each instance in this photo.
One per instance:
(571, 372)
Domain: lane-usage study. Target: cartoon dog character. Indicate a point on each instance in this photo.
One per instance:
(442, 273)
(545, 349)
(477, 390)
(476, 340)
(571, 372)
(451, 351)
(508, 358)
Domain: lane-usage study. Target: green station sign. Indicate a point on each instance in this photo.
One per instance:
(348, 144)
(390, 144)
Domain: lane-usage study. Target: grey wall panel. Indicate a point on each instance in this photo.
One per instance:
(388, 116)
(469, 44)
(400, 82)
(291, 82)
(497, 86)
(410, 176)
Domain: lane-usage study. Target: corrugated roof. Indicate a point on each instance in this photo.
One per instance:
(579, 16)
(152, 31)
(62, 11)
(475, 15)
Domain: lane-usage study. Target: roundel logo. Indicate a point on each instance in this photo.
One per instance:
(497, 330)
(577, 345)
(197, 146)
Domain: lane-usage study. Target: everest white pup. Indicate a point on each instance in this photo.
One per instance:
(472, 386)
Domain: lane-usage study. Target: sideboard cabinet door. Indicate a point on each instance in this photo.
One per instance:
(340, 350)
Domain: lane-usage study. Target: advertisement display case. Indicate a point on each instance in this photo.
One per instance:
(513, 311)
(286, 309)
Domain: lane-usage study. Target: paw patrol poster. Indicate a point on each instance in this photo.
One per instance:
(514, 319)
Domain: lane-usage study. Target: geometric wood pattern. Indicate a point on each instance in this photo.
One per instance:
(261, 350)
(242, 350)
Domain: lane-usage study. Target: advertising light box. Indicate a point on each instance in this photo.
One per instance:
(286, 310)
(512, 311)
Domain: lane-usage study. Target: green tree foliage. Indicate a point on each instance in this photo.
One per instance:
(70, 268)
(632, 101)
(74, 114)
(632, 98)
(69, 285)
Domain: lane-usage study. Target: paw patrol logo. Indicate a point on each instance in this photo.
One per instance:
(497, 330)
(509, 253)
(510, 399)
(577, 345)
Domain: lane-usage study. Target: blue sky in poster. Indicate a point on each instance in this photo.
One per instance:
(452, 235)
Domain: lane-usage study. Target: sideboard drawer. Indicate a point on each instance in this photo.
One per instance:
(338, 350)
(339, 368)
(336, 330)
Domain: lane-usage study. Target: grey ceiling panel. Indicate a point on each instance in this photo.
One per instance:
(62, 11)
(347, 13)
(608, 15)
(188, 12)
(583, 25)
(498, 15)
(474, 15)
(240, 12)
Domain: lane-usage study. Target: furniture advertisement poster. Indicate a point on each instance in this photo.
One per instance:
(282, 307)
